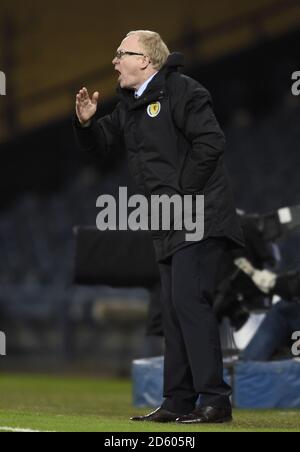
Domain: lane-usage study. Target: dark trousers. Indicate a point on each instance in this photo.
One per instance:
(193, 357)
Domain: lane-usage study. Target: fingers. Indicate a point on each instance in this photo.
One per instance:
(82, 95)
(85, 94)
(95, 98)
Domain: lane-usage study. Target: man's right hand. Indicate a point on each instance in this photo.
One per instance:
(86, 107)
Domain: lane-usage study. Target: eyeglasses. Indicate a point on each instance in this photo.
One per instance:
(121, 53)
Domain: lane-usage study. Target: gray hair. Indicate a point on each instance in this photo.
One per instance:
(154, 46)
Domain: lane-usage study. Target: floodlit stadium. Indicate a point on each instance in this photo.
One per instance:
(150, 218)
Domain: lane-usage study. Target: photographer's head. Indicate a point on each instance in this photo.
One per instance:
(141, 54)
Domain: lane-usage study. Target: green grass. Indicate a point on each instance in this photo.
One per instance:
(92, 405)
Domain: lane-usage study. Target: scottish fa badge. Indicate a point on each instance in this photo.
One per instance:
(154, 109)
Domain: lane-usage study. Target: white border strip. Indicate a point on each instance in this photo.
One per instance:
(21, 430)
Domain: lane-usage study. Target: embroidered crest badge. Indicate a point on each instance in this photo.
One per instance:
(154, 109)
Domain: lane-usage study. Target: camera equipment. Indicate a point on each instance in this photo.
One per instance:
(247, 284)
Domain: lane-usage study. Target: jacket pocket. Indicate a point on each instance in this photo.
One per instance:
(188, 179)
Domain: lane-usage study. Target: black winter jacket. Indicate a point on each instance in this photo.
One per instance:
(174, 146)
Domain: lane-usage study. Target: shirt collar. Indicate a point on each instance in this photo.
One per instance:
(140, 91)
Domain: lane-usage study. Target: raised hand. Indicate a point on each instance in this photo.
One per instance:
(86, 107)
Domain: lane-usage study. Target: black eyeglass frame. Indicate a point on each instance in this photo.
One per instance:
(121, 53)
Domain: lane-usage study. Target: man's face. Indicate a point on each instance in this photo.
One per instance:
(131, 67)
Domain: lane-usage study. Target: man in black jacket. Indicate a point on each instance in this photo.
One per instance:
(174, 147)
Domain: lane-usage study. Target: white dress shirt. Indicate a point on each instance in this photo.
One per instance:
(140, 91)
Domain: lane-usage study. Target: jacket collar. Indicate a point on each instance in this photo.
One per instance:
(173, 63)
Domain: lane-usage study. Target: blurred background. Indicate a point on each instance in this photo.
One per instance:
(243, 51)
